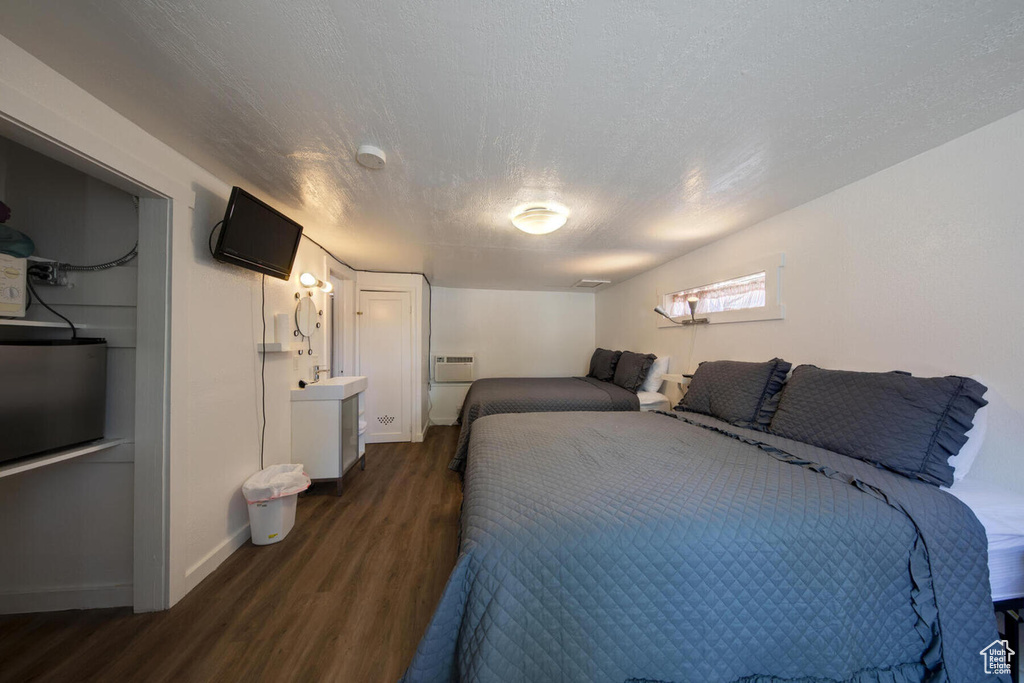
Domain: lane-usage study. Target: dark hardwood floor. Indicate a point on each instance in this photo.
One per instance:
(345, 597)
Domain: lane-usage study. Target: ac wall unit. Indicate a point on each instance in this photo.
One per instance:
(454, 368)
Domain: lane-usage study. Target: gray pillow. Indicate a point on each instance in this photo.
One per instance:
(602, 364)
(632, 369)
(910, 425)
(740, 393)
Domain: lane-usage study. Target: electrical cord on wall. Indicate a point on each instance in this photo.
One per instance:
(263, 313)
(49, 271)
(127, 258)
(326, 251)
(365, 270)
(263, 364)
(209, 241)
(693, 342)
(263, 354)
(35, 296)
(430, 288)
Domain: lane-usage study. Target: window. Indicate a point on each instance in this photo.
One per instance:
(729, 295)
(738, 292)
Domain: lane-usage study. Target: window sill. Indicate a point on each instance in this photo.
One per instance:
(749, 315)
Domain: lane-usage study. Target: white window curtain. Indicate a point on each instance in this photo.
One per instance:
(730, 295)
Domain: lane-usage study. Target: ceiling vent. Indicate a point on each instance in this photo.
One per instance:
(591, 284)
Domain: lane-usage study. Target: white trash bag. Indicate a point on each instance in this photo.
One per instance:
(274, 482)
(272, 496)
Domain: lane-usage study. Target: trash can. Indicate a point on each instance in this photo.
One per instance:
(272, 496)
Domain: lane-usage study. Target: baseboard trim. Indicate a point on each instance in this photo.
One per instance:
(213, 559)
(67, 597)
(444, 420)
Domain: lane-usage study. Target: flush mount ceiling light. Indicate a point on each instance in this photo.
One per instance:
(539, 219)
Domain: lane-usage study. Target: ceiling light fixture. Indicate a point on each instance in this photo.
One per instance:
(539, 219)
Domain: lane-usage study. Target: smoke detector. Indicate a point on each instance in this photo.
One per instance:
(591, 284)
(371, 157)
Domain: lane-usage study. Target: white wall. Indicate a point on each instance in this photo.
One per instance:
(513, 334)
(917, 268)
(224, 406)
(213, 364)
(426, 301)
(68, 527)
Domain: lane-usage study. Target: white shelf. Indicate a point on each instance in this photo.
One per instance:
(276, 347)
(18, 322)
(18, 466)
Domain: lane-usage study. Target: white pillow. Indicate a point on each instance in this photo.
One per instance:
(962, 461)
(653, 381)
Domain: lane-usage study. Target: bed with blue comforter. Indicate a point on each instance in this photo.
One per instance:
(649, 547)
(499, 395)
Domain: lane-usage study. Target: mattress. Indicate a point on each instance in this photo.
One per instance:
(1001, 512)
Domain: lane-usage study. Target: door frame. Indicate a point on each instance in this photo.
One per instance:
(343, 306)
(409, 381)
(419, 297)
(151, 557)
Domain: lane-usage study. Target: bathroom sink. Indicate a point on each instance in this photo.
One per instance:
(333, 389)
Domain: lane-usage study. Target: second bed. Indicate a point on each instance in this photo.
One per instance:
(545, 395)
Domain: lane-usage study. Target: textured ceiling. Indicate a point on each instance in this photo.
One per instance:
(661, 125)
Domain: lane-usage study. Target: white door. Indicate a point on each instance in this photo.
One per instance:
(385, 358)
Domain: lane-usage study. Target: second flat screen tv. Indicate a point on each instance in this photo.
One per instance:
(257, 237)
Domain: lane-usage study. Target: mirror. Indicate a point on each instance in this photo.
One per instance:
(305, 316)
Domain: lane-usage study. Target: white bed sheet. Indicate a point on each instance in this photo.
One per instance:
(653, 400)
(1001, 512)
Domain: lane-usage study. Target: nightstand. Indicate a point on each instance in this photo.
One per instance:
(681, 380)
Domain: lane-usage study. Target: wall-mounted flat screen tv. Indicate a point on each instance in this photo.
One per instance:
(257, 237)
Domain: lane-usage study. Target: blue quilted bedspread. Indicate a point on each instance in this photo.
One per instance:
(499, 395)
(637, 546)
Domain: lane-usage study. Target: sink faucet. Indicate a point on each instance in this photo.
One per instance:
(316, 378)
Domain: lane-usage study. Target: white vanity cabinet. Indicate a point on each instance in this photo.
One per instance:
(325, 427)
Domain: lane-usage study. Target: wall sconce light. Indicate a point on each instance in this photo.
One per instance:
(311, 281)
(691, 302)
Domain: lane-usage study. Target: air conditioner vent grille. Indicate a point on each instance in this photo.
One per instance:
(454, 368)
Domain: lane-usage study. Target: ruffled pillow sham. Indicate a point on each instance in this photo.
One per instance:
(910, 425)
(738, 392)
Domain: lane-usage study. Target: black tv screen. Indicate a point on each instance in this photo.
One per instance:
(257, 237)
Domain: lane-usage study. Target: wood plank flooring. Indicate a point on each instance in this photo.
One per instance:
(345, 597)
